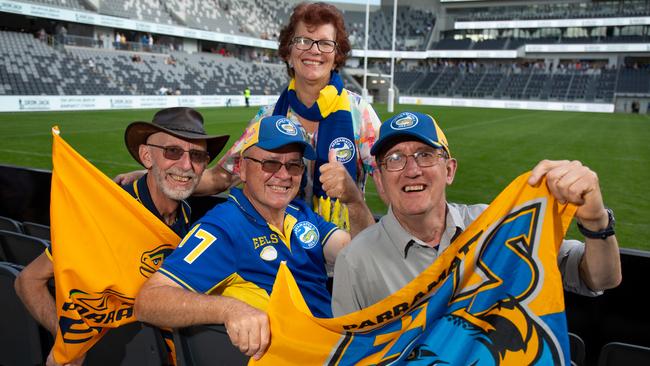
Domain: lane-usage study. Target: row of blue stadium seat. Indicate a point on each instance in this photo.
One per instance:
(526, 84)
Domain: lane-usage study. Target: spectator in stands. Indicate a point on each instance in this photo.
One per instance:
(118, 41)
(259, 227)
(61, 34)
(172, 176)
(144, 41)
(42, 35)
(314, 45)
(421, 223)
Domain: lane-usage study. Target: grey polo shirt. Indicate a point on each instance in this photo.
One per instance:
(384, 258)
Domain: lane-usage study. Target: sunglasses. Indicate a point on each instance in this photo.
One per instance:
(176, 152)
(294, 167)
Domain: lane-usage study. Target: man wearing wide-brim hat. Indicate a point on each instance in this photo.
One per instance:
(175, 150)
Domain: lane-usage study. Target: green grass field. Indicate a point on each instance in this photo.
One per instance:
(492, 146)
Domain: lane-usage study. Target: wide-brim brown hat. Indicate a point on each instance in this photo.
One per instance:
(182, 122)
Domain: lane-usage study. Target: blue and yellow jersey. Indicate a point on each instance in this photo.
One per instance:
(233, 251)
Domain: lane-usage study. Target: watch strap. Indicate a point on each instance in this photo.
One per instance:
(601, 234)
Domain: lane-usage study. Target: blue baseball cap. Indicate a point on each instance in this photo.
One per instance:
(417, 125)
(274, 132)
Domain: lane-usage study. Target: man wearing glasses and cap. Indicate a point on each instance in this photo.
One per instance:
(414, 168)
(235, 250)
(175, 150)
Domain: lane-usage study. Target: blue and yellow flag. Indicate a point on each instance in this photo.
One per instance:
(494, 297)
(105, 245)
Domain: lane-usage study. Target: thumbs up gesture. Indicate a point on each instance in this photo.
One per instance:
(337, 182)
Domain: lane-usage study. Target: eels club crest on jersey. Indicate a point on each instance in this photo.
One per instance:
(307, 234)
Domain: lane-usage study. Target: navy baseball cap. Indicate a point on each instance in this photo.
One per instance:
(274, 132)
(417, 125)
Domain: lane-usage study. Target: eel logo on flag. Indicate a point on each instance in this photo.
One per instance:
(151, 260)
(493, 297)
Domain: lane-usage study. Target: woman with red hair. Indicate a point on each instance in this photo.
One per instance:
(341, 126)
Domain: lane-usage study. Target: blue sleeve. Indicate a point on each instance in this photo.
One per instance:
(203, 259)
(325, 228)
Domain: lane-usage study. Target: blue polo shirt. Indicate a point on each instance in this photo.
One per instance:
(232, 251)
(140, 191)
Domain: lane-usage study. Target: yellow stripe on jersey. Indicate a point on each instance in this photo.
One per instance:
(188, 235)
(180, 282)
(237, 287)
(285, 235)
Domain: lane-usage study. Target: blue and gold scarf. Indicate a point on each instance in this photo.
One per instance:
(335, 131)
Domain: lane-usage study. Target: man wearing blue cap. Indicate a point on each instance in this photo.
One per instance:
(235, 250)
(414, 168)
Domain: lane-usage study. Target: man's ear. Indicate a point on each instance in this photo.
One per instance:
(379, 185)
(452, 164)
(242, 168)
(145, 156)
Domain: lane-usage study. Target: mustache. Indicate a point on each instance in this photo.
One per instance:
(182, 173)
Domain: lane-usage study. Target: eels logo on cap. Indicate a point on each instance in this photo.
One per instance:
(404, 120)
(287, 127)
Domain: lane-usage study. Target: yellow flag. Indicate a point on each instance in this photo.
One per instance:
(104, 244)
(494, 296)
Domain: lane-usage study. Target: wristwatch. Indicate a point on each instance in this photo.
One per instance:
(601, 234)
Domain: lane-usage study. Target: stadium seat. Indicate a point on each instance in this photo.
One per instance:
(10, 225)
(20, 340)
(204, 345)
(20, 248)
(616, 353)
(131, 344)
(36, 230)
(577, 350)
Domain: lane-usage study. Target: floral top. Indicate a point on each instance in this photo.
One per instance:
(366, 129)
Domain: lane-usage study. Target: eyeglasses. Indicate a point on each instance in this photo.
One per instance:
(176, 152)
(397, 161)
(324, 45)
(294, 167)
